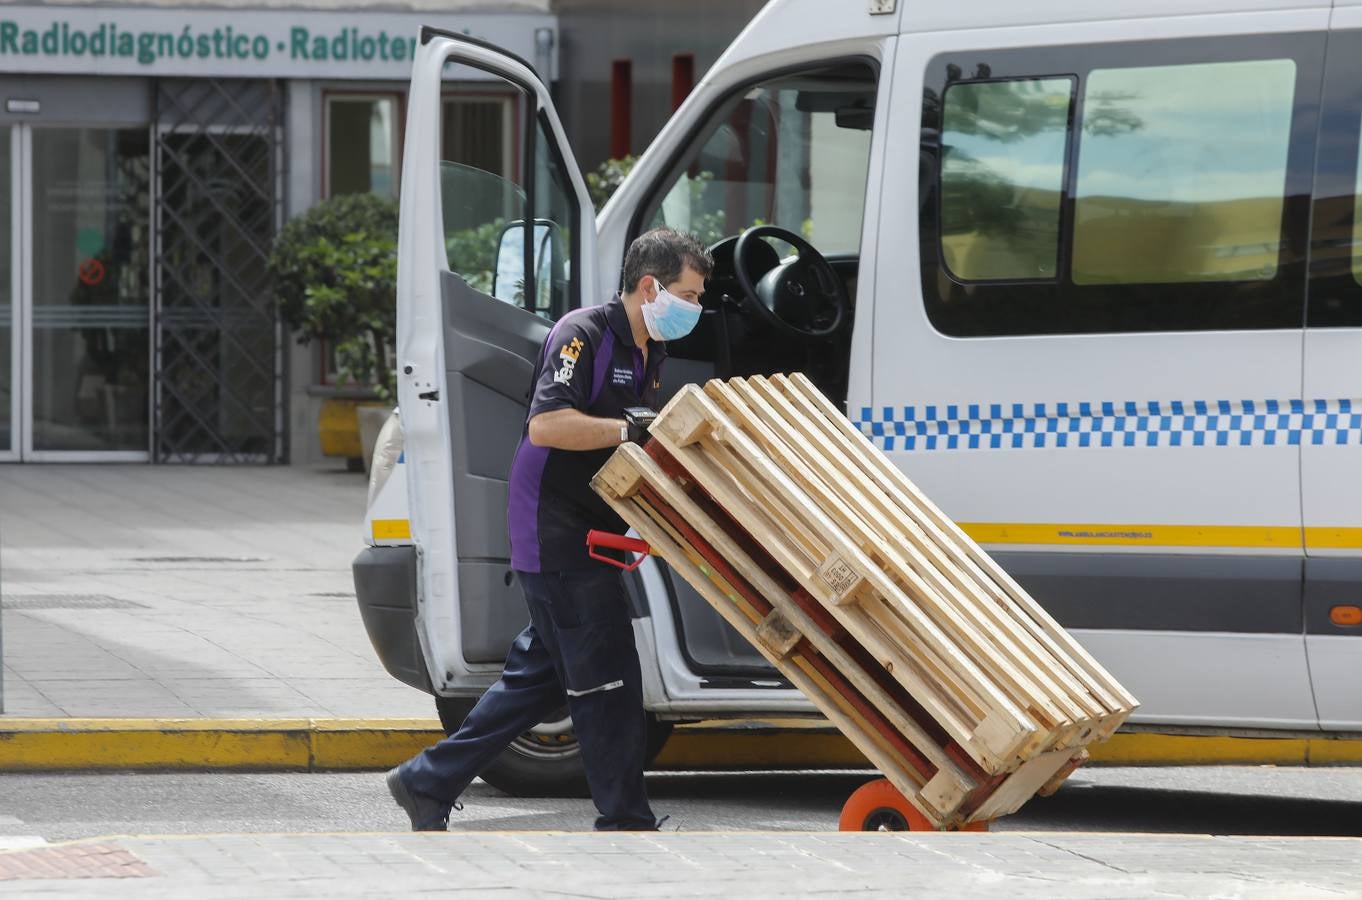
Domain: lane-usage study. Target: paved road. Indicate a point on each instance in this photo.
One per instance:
(1215, 800)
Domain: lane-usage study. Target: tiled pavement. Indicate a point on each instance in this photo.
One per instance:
(507, 864)
(186, 591)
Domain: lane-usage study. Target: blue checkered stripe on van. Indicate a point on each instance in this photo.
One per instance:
(1196, 423)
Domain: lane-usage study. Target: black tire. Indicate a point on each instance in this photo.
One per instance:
(543, 762)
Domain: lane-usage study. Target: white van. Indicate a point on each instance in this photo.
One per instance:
(1097, 290)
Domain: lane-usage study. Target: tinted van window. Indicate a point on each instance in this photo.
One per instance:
(1002, 177)
(1127, 187)
(1181, 173)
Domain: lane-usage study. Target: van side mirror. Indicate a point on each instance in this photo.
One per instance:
(550, 265)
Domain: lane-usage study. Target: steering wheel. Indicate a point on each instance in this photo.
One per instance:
(796, 290)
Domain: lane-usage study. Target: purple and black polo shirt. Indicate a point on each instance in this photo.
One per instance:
(589, 362)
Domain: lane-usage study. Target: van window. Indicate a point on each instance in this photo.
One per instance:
(1357, 217)
(485, 214)
(1002, 177)
(1336, 204)
(792, 152)
(1127, 187)
(1181, 173)
(555, 210)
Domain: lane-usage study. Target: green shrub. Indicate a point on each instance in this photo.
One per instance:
(335, 278)
(607, 178)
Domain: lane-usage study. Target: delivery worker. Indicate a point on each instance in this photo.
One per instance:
(579, 645)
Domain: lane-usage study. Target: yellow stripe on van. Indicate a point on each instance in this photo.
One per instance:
(1045, 534)
(1063, 534)
(1333, 538)
(392, 529)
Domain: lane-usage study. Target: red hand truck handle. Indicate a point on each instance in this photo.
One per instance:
(610, 541)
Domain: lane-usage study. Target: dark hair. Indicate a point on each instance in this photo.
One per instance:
(664, 253)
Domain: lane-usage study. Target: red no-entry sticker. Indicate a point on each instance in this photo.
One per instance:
(91, 272)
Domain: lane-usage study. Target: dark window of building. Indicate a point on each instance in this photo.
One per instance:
(621, 107)
(1131, 187)
(362, 144)
(363, 152)
(683, 77)
(479, 131)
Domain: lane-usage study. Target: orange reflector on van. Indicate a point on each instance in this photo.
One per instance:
(1346, 615)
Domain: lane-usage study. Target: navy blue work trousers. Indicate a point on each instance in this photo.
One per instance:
(579, 645)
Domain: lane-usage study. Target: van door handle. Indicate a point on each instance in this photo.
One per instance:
(429, 395)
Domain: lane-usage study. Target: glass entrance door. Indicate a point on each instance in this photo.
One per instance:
(84, 294)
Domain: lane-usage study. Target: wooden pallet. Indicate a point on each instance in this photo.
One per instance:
(951, 679)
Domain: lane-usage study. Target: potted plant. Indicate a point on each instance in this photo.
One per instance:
(335, 279)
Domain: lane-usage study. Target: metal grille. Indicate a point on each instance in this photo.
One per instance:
(219, 344)
(69, 601)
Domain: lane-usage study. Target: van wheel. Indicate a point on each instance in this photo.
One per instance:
(545, 761)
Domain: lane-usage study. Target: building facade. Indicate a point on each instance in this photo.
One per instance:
(625, 65)
(149, 155)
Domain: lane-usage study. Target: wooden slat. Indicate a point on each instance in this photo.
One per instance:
(808, 572)
(930, 553)
(726, 600)
(957, 712)
(1022, 785)
(935, 647)
(807, 540)
(986, 637)
(719, 451)
(927, 513)
(649, 473)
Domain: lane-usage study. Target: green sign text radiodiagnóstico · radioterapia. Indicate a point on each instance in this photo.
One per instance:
(148, 47)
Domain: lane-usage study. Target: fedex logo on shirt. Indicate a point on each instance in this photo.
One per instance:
(568, 357)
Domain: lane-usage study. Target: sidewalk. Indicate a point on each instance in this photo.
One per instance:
(187, 592)
(509, 864)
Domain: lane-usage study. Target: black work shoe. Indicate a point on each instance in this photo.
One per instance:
(426, 813)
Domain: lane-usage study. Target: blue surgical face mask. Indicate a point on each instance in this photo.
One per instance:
(669, 317)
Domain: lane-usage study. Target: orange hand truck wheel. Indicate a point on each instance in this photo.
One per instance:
(879, 806)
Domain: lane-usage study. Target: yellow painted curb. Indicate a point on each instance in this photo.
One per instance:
(1143, 749)
(30, 745)
(341, 744)
(355, 744)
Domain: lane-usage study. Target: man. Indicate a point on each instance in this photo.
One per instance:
(579, 644)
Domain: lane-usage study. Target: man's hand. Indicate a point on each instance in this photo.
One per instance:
(572, 429)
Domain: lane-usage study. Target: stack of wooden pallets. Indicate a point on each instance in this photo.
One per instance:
(947, 675)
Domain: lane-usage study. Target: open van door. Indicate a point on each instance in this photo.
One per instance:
(497, 239)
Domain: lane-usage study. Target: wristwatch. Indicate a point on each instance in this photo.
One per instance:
(637, 419)
(624, 432)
